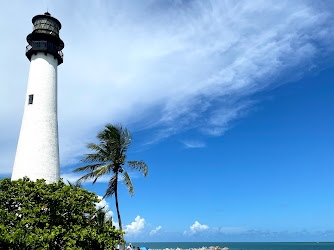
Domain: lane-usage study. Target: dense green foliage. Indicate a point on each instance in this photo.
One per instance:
(36, 215)
(109, 157)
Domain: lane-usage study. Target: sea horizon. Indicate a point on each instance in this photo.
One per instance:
(238, 245)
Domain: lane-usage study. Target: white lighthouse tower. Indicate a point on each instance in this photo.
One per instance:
(37, 154)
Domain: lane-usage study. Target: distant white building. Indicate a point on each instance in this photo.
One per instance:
(37, 154)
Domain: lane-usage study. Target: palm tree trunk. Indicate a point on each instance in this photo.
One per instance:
(118, 214)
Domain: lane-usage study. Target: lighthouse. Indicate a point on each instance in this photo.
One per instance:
(37, 153)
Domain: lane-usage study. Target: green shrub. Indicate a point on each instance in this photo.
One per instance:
(36, 215)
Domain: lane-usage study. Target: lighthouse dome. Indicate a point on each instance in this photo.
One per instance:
(46, 24)
(45, 37)
(46, 28)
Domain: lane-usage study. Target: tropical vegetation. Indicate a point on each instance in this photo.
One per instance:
(36, 215)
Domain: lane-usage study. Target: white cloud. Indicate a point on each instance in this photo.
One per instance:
(154, 231)
(104, 204)
(136, 226)
(193, 144)
(197, 227)
(201, 230)
(186, 65)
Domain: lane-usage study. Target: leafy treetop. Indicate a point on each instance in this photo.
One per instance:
(36, 215)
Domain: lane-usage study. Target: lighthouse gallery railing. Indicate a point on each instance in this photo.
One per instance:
(44, 46)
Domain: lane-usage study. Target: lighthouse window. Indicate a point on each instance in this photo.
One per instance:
(31, 99)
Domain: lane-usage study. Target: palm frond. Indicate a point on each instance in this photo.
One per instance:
(91, 167)
(125, 139)
(140, 166)
(96, 173)
(101, 154)
(93, 215)
(116, 136)
(94, 147)
(86, 177)
(100, 217)
(128, 183)
(112, 186)
(106, 169)
(110, 139)
(91, 158)
(95, 180)
(100, 171)
(111, 134)
(74, 185)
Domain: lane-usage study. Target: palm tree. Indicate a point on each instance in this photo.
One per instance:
(75, 186)
(100, 218)
(109, 158)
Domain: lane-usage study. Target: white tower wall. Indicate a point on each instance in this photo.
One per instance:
(37, 154)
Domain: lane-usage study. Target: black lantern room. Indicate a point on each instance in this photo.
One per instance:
(45, 37)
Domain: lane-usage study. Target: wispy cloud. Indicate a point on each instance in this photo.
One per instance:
(195, 70)
(164, 67)
(154, 231)
(193, 144)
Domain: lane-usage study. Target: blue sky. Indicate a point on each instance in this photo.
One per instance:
(229, 102)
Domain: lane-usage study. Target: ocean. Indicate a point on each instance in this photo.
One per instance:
(241, 245)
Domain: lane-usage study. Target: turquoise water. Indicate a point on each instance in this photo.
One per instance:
(241, 245)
